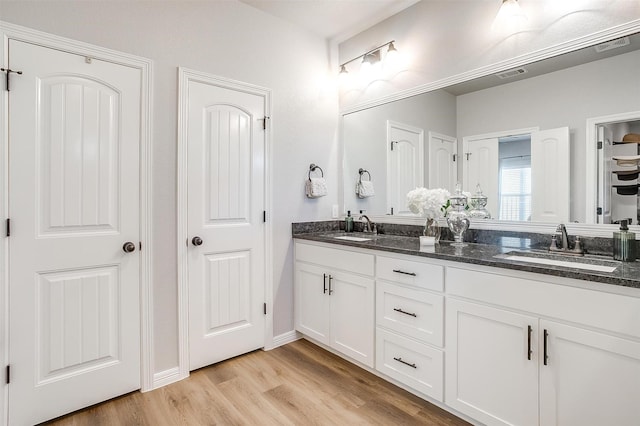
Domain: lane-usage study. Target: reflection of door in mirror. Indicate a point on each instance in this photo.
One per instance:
(550, 197)
(480, 161)
(443, 161)
(405, 164)
(523, 173)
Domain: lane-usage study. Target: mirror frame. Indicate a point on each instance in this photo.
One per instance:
(584, 229)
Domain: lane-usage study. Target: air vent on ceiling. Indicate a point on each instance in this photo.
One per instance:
(511, 73)
(613, 44)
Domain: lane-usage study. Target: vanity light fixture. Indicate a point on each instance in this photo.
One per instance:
(371, 57)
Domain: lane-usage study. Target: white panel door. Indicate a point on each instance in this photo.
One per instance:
(481, 166)
(550, 169)
(489, 374)
(590, 379)
(443, 164)
(605, 136)
(405, 164)
(74, 203)
(226, 180)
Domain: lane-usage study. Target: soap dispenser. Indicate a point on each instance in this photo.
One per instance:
(348, 222)
(624, 243)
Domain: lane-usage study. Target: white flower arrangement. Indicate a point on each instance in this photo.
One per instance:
(430, 203)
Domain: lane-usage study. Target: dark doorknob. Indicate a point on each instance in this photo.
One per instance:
(128, 247)
(196, 241)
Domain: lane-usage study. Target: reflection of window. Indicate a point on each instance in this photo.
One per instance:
(515, 188)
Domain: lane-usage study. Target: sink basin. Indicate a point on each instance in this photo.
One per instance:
(586, 263)
(350, 238)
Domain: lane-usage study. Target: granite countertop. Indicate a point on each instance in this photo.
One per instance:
(626, 273)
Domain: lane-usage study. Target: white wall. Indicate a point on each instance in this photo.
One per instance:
(562, 98)
(233, 40)
(442, 38)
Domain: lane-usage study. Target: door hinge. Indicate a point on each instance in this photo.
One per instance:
(468, 154)
(599, 144)
(265, 308)
(264, 216)
(264, 122)
(8, 378)
(392, 142)
(8, 227)
(391, 211)
(8, 71)
(599, 210)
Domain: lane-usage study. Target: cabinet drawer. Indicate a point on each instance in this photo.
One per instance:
(359, 263)
(412, 363)
(410, 272)
(416, 313)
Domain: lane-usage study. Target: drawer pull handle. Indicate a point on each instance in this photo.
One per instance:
(545, 355)
(405, 362)
(413, 274)
(405, 312)
(330, 281)
(324, 283)
(529, 331)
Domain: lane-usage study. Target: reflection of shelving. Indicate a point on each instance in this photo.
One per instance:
(625, 143)
(626, 160)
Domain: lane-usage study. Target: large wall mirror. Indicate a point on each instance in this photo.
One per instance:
(528, 136)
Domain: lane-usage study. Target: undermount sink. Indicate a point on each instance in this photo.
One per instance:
(586, 263)
(350, 238)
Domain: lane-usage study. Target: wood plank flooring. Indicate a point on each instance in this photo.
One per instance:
(296, 384)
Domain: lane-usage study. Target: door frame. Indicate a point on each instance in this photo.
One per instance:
(185, 76)
(8, 32)
(591, 175)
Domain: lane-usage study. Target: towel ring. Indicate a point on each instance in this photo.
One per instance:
(362, 171)
(312, 168)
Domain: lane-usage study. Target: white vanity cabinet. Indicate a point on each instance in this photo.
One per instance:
(528, 352)
(409, 323)
(334, 299)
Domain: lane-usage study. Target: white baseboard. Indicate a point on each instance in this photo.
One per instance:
(166, 377)
(283, 339)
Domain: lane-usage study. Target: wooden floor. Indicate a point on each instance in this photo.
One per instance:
(296, 384)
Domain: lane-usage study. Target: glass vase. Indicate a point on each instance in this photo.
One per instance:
(431, 229)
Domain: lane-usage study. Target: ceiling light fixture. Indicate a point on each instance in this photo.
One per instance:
(510, 16)
(371, 57)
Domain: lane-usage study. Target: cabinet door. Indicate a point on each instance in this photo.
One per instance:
(488, 374)
(589, 378)
(352, 316)
(312, 301)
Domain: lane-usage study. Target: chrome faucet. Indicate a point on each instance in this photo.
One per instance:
(562, 237)
(561, 231)
(368, 225)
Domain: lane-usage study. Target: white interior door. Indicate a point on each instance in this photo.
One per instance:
(443, 164)
(74, 336)
(226, 199)
(605, 136)
(550, 170)
(481, 166)
(405, 164)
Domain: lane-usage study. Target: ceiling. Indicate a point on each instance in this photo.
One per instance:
(335, 20)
